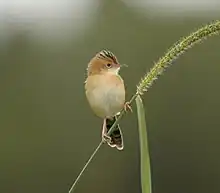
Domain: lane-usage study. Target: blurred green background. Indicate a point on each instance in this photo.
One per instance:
(48, 132)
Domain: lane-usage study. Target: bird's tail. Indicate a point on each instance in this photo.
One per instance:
(116, 138)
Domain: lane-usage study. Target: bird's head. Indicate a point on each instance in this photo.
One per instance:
(103, 62)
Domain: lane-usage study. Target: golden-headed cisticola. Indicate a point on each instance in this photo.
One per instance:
(105, 92)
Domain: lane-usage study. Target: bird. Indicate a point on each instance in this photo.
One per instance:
(105, 92)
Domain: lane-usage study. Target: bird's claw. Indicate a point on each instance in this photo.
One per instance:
(106, 138)
(127, 107)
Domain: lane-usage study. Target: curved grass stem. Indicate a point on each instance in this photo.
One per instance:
(146, 82)
(175, 51)
(84, 168)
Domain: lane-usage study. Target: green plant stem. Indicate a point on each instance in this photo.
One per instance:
(84, 168)
(146, 82)
(98, 147)
(175, 51)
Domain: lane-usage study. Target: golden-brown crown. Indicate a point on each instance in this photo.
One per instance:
(102, 62)
(106, 54)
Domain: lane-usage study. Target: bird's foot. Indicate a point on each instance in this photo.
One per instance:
(106, 138)
(127, 107)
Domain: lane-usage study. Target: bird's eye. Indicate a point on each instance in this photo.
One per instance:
(108, 65)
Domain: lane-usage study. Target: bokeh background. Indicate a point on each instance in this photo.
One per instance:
(47, 130)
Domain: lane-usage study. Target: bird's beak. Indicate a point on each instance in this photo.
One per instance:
(124, 65)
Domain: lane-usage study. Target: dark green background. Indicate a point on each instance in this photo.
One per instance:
(47, 130)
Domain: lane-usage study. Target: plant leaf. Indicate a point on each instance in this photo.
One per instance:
(144, 151)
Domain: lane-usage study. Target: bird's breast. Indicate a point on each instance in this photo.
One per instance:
(106, 95)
